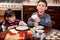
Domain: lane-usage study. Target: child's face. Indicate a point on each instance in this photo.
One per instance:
(11, 19)
(41, 7)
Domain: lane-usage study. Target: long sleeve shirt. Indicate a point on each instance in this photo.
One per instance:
(45, 20)
(4, 27)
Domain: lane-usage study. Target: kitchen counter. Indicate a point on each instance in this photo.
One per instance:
(18, 6)
(34, 4)
(13, 6)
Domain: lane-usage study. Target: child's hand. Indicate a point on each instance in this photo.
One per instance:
(35, 24)
(20, 23)
(10, 27)
(37, 20)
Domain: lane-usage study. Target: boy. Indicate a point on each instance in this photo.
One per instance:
(40, 17)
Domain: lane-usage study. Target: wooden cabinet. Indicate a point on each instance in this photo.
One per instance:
(2, 12)
(27, 12)
(53, 11)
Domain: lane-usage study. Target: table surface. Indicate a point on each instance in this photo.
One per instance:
(46, 30)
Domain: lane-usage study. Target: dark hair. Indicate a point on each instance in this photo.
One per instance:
(43, 1)
(9, 13)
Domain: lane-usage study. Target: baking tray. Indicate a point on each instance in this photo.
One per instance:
(54, 30)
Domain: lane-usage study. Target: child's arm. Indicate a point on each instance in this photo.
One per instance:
(34, 20)
(10, 27)
(22, 23)
(46, 22)
(3, 27)
(30, 22)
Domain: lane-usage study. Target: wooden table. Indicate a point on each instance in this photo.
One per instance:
(46, 30)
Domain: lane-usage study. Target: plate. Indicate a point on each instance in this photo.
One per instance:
(39, 27)
(13, 31)
(40, 31)
(22, 28)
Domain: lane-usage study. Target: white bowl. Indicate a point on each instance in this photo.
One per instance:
(40, 31)
(22, 28)
(39, 27)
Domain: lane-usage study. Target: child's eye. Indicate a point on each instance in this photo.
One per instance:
(42, 5)
(39, 5)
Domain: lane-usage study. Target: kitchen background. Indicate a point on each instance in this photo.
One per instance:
(28, 7)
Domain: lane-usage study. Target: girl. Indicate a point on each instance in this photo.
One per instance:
(10, 20)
